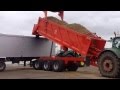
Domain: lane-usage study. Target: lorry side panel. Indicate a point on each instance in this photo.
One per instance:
(24, 46)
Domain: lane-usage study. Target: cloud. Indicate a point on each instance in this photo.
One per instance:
(104, 23)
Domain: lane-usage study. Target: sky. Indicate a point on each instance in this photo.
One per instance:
(104, 23)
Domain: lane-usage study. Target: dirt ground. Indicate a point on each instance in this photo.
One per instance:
(20, 72)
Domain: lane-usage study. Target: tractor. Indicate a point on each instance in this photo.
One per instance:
(109, 59)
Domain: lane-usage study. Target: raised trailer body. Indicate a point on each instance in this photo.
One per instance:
(89, 46)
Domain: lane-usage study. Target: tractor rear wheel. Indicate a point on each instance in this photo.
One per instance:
(109, 65)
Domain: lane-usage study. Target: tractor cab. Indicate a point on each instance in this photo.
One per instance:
(116, 42)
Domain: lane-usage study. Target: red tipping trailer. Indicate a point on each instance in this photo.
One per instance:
(89, 46)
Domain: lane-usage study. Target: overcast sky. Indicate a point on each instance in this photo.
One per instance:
(104, 23)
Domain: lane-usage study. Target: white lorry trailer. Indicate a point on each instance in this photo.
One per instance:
(23, 48)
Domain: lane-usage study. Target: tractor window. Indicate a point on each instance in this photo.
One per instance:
(116, 42)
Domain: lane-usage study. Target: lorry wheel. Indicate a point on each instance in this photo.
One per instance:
(47, 65)
(2, 66)
(58, 66)
(37, 65)
(109, 65)
(72, 66)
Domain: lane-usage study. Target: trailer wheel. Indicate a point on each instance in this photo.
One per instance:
(72, 66)
(37, 65)
(109, 65)
(47, 65)
(58, 66)
(2, 66)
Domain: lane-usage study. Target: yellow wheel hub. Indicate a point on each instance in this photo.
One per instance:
(82, 63)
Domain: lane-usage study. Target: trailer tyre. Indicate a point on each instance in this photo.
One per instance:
(2, 66)
(109, 65)
(47, 66)
(58, 66)
(72, 66)
(37, 65)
